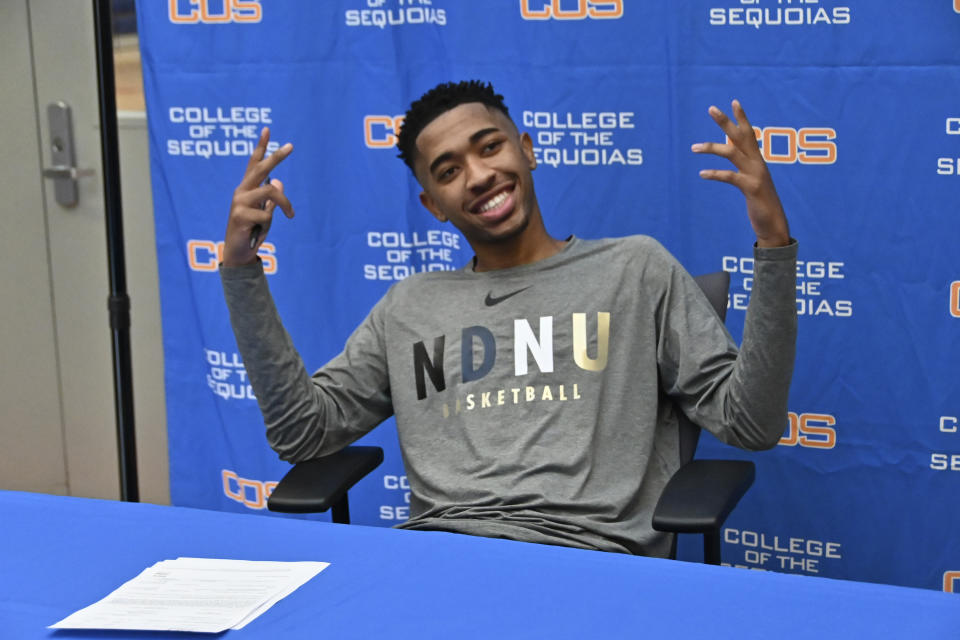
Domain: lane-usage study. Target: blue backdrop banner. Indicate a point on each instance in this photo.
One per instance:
(854, 102)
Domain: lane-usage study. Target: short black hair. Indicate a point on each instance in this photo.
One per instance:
(437, 101)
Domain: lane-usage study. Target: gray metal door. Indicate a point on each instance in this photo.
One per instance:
(57, 417)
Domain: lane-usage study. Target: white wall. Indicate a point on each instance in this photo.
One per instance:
(145, 330)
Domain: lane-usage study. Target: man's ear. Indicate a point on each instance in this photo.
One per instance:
(431, 206)
(526, 143)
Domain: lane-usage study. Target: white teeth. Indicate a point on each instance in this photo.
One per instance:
(494, 202)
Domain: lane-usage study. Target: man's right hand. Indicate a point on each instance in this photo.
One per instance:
(253, 204)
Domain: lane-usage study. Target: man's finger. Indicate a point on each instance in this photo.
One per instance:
(729, 127)
(740, 115)
(722, 175)
(265, 167)
(716, 148)
(257, 172)
(269, 193)
(278, 185)
(268, 206)
(746, 138)
(259, 150)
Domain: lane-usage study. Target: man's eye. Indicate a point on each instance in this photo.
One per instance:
(492, 146)
(447, 173)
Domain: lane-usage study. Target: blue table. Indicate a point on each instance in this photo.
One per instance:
(60, 554)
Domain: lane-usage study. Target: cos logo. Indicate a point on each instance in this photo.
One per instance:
(380, 132)
(215, 11)
(951, 578)
(252, 494)
(813, 430)
(205, 255)
(808, 145)
(572, 9)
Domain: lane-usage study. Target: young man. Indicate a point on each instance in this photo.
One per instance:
(536, 390)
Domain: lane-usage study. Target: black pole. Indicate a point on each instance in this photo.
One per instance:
(119, 302)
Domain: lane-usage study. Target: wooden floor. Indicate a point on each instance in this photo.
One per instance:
(129, 77)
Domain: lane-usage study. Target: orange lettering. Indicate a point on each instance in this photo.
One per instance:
(578, 14)
(544, 14)
(598, 9)
(813, 430)
(247, 11)
(807, 145)
(252, 494)
(375, 141)
(824, 436)
(258, 501)
(950, 577)
(227, 477)
(177, 17)
(768, 153)
(200, 11)
(204, 255)
(207, 16)
(615, 10)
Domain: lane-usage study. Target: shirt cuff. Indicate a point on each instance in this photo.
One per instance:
(787, 252)
(243, 272)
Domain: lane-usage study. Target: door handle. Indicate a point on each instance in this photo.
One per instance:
(72, 173)
(64, 171)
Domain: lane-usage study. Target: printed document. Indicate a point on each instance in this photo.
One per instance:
(195, 594)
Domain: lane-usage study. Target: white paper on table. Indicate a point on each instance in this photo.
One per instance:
(194, 594)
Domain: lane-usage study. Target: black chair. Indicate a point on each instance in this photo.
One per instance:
(697, 499)
(702, 493)
(313, 486)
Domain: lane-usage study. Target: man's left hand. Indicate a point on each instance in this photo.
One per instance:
(752, 177)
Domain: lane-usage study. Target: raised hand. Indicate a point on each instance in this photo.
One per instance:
(752, 176)
(253, 204)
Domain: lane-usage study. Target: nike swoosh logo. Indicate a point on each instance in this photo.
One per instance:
(491, 301)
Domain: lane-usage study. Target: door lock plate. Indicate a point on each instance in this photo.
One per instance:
(63, 171)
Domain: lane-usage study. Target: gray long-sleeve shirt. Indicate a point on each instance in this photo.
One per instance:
(539, 402)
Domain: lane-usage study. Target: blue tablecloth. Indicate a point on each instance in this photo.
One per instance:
(61, 554)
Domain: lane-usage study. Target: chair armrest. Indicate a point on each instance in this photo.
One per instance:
(701, 494)
(316, 485)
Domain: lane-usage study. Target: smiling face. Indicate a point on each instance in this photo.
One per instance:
(475, 170)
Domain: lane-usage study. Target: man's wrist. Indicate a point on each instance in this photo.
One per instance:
(241, 270)
(233, 263)
(773, 242)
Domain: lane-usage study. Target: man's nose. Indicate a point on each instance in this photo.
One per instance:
(480, 176)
